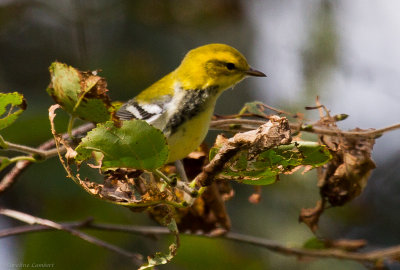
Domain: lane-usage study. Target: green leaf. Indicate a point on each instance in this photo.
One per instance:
(265, 168)
(82, 94)
(136, 144)
(314, 243)
(4, 162)
(3, 144)
(163, 258)
(12, 100)
(306, 152)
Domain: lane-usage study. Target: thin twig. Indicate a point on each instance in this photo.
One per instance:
(179, 184)
(280, 111)
(238, 124)
(9, 179)
(373, 133)
(150, 231)
(25, 149)
(137, 258)
(47, 150)
(370, 256)
(250, 124)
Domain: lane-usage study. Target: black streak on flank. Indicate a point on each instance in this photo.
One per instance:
(192, 104)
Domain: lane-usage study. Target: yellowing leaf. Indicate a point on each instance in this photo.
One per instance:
(82, 94)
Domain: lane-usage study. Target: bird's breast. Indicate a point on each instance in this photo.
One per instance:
(189, 104)
(189, 135)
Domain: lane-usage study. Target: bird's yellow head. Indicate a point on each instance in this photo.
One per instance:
(214, 65)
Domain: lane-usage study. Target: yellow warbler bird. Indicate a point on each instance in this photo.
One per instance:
(181, 103)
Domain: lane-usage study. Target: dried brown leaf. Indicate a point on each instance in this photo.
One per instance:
(310, 216)
(345, 177)
(255, 198)
(195, 161)
(273, 133)
(207, 215)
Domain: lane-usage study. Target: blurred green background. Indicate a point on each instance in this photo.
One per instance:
(307, 48)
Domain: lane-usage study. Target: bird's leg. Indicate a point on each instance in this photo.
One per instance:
(182, 173)
(189, 194)
(181, 170)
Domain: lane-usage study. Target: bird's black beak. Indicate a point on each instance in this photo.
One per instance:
(254, 72)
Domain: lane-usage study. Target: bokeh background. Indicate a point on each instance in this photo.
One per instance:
(347, 52)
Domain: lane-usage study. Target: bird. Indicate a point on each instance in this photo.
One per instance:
(182, 103)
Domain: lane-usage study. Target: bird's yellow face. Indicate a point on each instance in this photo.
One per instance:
(214, 65)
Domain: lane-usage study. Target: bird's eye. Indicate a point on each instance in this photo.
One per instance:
(230, 66)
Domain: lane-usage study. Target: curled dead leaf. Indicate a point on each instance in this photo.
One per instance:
(346, 176)
(271, 134)
(71, 154)
(255, 198)
(310, 216)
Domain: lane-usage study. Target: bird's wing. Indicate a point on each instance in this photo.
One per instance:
(148, 112)
(151, 103)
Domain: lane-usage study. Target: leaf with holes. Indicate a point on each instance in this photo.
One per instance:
(16, 104)
(163, 258)
(265, 168)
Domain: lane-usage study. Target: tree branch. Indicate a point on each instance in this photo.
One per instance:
(236, 124)
(9, 179)
(45, 223)
(232, 124)
(370, 256)
(26, 149)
